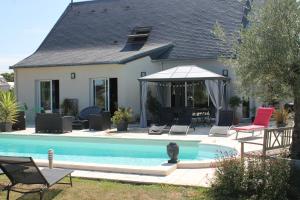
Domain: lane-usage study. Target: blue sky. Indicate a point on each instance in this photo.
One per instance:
(24, 24)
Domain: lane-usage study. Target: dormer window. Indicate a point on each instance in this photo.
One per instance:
(137, 38)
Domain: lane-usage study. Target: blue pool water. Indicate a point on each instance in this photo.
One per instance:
(105, 151)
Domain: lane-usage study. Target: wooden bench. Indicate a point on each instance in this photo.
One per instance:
(275, 138)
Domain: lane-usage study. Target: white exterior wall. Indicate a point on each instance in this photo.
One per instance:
(79, 88)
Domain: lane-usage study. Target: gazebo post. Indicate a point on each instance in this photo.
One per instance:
(143, 98)
(185, 94)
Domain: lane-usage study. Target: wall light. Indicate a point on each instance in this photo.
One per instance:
(73, 75)
(225, 72)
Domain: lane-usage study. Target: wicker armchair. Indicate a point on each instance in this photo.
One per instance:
(53, 123)
(100, 121)
(83, 118)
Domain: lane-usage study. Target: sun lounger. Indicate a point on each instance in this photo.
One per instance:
(156, 130)
(261, 121)
(179, 129)
(224, 124)
(24, 171)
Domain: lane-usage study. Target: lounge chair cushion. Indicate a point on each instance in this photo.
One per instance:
(179, 129)
(220, 130)
(54, 175)
(263, 116)
(249, 128)
(156, 129)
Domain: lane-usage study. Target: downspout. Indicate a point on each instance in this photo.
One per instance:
(16, 84)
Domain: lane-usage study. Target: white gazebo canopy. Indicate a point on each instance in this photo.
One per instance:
(214, 83)
(183, 73)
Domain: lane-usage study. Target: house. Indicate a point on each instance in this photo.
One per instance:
(4, 85)
(98, 49)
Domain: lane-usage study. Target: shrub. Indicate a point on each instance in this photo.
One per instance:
(122, 114)
(8, 107)
(153, 105)
(281, 116)
(251, 178)
(235, 102)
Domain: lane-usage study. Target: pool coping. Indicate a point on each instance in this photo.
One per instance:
(101, 136)
(163, 170)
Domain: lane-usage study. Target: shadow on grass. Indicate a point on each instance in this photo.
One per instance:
(48, 195)
(294, 192)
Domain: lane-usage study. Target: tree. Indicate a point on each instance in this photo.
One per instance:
(267, 55)
(9, 77)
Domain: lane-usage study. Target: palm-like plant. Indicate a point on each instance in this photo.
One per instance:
(8, 107)
(122, 114)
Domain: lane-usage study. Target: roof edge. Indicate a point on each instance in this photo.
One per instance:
(122, 61)
(146, 53)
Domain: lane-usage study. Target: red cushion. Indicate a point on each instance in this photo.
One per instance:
(248, 128)
(263, 116)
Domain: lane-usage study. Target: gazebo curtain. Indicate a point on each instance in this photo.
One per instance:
(143, 117)
(215, 90)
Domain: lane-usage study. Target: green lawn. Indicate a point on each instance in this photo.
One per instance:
(108, 190)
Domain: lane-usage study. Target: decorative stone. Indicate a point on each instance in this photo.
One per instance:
(173, 151)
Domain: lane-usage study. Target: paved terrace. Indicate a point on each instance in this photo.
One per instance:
(187, 177)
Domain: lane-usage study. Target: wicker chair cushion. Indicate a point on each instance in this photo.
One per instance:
(84, 114)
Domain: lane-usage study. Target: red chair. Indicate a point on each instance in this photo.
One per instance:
(261, 121)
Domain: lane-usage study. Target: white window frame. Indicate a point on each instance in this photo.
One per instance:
(38, 94)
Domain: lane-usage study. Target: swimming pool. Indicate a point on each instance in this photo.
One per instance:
(113, 151)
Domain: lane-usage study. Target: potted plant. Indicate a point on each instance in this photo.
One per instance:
(281, 117)
(234, 103)
(8, 110)
(121, 118)
(70, 107)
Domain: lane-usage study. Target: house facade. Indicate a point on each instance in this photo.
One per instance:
(97, 50)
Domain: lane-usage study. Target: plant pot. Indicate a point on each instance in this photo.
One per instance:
(122, 126)
(281, 125)
(5, 127)
(236, 121)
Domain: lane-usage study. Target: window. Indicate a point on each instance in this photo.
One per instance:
(48, 95)
(137, 38)
(100, 93)
(104, 93)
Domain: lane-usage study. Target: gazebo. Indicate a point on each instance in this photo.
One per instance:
(214, 84)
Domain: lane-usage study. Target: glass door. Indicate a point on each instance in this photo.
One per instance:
(45, 96)
(100, 93)
(48, 96)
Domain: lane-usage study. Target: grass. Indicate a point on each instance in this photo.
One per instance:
(108, 190)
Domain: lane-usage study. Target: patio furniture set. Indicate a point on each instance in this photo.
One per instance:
(92, 118)
(179, 120)
(225, 123)
(183, 122)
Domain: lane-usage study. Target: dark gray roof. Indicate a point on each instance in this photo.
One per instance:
(95, 32)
